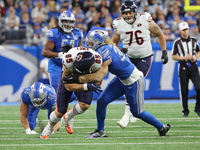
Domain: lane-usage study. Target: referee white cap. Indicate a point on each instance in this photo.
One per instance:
(183, 25)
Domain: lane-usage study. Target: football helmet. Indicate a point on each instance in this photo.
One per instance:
(66, 21)
(38, 94)
(96, 37)
(128, 6)
(84, 62)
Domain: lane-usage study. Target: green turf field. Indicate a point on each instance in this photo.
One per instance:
(184, 134)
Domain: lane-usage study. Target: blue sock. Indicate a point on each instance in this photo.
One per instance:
(150, 119)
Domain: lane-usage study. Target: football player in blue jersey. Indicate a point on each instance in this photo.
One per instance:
(128, 81)
(63, 34)
(33, 98)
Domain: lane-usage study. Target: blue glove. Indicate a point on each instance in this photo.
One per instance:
(71, 79)
(92, 87)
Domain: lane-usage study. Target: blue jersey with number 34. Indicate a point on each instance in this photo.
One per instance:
(121, 65)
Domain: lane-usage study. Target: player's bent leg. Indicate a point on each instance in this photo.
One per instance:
(49, 128)
(78, 109)
(150, 119)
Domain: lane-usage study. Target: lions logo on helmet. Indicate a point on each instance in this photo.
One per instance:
(38, 95)
(84, 62)
(66, 21)
(129, 6)
(96, 37)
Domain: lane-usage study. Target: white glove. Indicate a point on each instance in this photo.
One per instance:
(29, 131)
(60, 55)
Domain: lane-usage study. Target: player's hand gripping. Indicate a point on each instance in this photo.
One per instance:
(64, 49)
(164, 57)
(124, 50)
(92, 87)
(70, 79)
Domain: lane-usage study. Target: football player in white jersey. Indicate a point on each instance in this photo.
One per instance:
(76, 61)
(134, 31)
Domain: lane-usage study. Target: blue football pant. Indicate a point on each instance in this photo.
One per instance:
(135, 98)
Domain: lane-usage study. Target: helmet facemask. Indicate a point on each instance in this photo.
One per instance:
(66, 21)
(96, 37)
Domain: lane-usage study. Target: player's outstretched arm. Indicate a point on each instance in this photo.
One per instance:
(155, 29)
(23, 118)
(98, 75)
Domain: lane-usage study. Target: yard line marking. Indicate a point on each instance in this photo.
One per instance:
(80, 120)
(159, 143)
(152, 137)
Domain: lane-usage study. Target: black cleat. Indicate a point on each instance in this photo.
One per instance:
(164, 130)
(185, 114)
(96, 134)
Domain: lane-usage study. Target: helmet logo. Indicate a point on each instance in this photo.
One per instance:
(98, 37)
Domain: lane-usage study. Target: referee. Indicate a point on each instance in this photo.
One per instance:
(186, 50)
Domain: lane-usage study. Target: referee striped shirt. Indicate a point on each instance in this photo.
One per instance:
(183, 47)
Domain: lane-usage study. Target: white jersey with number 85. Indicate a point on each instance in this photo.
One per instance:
(70, 57)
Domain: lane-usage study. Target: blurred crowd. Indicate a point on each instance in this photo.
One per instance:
(29, 20)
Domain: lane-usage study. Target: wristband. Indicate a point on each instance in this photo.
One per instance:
(60, 55)
(85, 87)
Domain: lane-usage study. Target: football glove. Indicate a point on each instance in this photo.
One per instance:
(65, 48)
(92, 87)
(29, 131)
(124, 50)
(164, 57)
(70, 79)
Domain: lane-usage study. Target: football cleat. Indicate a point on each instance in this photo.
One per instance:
(68, 123)
(164, 130)
(46, 132)
(132, 119)
(123, 122)
(96, 134)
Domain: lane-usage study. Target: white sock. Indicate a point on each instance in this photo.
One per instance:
(75, 111)
(53, 119)
(127, 110)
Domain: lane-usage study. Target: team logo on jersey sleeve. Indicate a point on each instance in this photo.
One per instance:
(49, 33)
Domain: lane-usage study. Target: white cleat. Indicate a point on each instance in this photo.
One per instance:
(132, 119)
(46, 132)
(123, 122)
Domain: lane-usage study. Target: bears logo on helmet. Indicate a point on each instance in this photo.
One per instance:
(84, 62)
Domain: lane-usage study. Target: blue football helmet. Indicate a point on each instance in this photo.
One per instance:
(38, 94)
(128, 6)
(84, 62)
(66, 21)
(96, 37)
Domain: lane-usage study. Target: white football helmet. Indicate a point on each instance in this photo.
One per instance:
(38, 94)
(96, 37)
(66, 21)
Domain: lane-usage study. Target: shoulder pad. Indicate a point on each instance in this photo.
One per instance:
(51, 33)
(146, 16)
